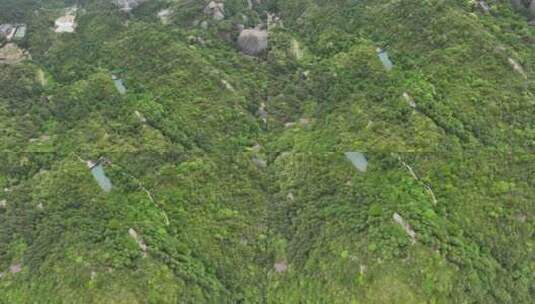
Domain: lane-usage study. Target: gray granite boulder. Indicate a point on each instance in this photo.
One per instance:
(253, 41)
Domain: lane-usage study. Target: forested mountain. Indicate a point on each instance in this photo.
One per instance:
(267, 151)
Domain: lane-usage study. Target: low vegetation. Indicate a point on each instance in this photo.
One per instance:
(231, 170)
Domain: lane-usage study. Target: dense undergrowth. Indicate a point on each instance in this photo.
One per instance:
(235, 208)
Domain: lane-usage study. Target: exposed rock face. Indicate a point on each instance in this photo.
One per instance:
(290, 197)
(164, 15)
(15, 268)
(227, 85)
(483, 6)
(251, 3)
(7, 31)
(531, 10)
(216, 9)
(21, 32)
(65, 24)
(13, 31)
(525, 5)
(281, 266)
(517, 67)
(133, 234)
(409, 100)
(259, 162)
(253, 41)
(399, 220)
(128, 5)
(518, 4)
(140, 116)
(11, 53)
(262, 112)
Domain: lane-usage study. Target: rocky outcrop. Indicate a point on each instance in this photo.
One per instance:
(140, 117)
(399, 220)
(165, 16)
(253, 41)
(262, 112)
(128, 5)
(13, 31)
(7, 31)
(517, 67)
(483, 6)
(408, 98)
(280, 266)
(15, 268)
(133, 234)
(527, 6)
(11, 54)
(65, 24)
(216, 9)
(531, 10)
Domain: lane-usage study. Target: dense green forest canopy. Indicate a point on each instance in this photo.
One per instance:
(219, 177)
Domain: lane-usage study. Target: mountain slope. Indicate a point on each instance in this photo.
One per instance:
(230, 182)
